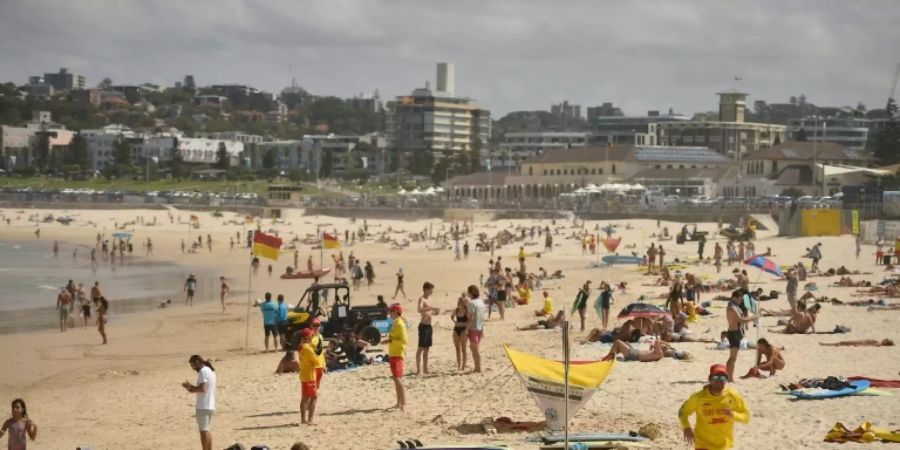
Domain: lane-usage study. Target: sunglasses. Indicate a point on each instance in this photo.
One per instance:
(722, 378)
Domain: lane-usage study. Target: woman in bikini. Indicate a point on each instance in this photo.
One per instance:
(460, 317)
(102, 308)
(224, 289)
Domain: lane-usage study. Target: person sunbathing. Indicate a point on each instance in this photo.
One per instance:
(774, 359)
(545, 324)
(800, 322)
(655, 353)
(288, 363)
(860, 343)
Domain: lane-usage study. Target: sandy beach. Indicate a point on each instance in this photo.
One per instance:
(127, 394)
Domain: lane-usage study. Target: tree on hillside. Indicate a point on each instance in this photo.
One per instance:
(475, 156)
(421, 162)
(42, 151)
(179, 169)
(122, 151)
(887, 138)
(801, 135)
(223, 160)
(78, 153)
(327, 164)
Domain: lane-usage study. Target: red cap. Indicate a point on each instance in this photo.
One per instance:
(307, 332)
(316, 322)
(718, 369)
(397, 308)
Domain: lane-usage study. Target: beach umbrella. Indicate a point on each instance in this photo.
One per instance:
(121, 235)
(641, 311)
(765, 264)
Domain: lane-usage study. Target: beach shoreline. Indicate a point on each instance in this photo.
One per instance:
(131, 385)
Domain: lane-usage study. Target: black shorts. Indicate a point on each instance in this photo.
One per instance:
(270, 329)
(86, 311)
(604, 303)
(734, 338)
(501, 296)
(190, 292)
(425, 332)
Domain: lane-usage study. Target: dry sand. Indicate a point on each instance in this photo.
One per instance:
(127, 394)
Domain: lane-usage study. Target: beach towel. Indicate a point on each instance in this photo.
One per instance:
(863, 434)
(875, 382)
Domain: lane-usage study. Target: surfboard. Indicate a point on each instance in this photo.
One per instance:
(463, 447)
(621, 259)
(595, 445)
(590, 437)
(855, 387)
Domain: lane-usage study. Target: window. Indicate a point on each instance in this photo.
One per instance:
(529, 171)
(613, 169)
(594, 171)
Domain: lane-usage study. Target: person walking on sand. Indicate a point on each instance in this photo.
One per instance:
(20, 427)
(475, 331)
(581, 300)
(858, 241)
(717, 408)
(270, 319)
(460, 317)
(190, 286)
(425, 330)
(399, 288)
(309, 387)
(102, 310)
(205, 391)
(224, 289)
(717, 256)
(791, 288)
(397, 339)
(651, 257)
(662, 255)
(736, 323)
(318, 345)
(63, 304)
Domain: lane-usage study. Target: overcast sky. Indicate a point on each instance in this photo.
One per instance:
(509, 55)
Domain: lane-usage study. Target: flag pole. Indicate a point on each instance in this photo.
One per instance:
(565, 335)
(321, 249)
(249, 291)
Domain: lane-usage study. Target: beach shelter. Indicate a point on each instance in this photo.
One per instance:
(642, 310)
(121, 235)
(765, 264)
(545, 379)
(611, 244)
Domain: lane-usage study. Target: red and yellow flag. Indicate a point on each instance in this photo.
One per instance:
(266, 245)
(330, 241)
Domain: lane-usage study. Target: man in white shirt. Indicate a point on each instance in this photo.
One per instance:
(205, 389)
(475, 329)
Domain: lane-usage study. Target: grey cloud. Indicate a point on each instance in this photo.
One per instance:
(509, 54)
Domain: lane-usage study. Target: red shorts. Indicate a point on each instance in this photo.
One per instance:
(320, 372)
(308, 389)
(475, 336)
(396, 363)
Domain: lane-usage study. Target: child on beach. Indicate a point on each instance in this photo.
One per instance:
(19, 426)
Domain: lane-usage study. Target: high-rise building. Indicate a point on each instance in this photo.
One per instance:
(729, 135)
(63, 80)
(850, 132)
(446, 78)
(435, 121)
(566, 112)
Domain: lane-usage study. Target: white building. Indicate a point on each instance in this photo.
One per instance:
(519, 146)
(849, 132)
(244, 138)
(101, 146)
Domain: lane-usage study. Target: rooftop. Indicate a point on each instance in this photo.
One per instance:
(642, 153)
(802, 151)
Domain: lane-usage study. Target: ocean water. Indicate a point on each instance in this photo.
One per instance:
(31, 277)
